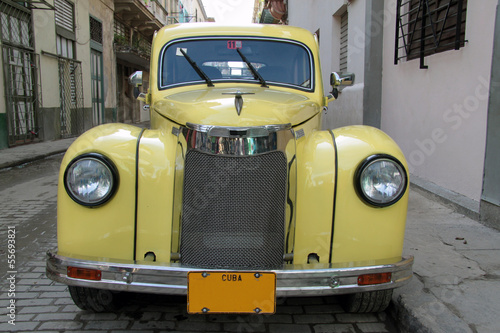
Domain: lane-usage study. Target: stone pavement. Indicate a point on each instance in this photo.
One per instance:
(456, 285)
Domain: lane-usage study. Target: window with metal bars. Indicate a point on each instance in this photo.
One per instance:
(95, 30)
(122, 33)
(426, 27)
(15, 25)
(121, 29)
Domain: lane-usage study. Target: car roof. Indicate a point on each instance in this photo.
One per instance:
(185, 30)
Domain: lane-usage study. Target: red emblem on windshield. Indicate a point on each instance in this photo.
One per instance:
(234, 44)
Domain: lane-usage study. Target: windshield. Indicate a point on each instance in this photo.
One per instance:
(274, 61)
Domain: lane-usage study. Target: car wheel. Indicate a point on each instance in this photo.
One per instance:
(371, 301)
(96, 300)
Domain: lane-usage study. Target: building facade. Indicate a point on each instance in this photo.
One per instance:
(432, 89)
(66, 63)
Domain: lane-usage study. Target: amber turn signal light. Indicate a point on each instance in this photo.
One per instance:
(369, 279)
(84, 273)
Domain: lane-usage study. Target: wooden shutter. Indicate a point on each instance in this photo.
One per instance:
(64, 15)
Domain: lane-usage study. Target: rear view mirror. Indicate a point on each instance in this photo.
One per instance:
(340, 80)
(136, 80)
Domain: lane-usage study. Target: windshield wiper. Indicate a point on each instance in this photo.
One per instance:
(197, 68)
(256, 74)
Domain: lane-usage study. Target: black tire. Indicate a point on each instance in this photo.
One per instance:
(370, 301)
(95, 300)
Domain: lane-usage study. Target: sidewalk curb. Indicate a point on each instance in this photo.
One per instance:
(13, 157)
(18, 162)
(415, 309)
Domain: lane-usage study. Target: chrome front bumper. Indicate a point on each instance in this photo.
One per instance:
(293, 280)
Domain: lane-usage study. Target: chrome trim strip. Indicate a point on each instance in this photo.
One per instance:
(248, 131)
(237, 141)
(292, 280)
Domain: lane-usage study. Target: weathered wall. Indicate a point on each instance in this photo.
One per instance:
(45, 41)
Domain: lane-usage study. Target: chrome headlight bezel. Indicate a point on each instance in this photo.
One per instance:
(371, 161)
(109, 168)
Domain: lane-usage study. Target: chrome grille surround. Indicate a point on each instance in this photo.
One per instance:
(235, 194)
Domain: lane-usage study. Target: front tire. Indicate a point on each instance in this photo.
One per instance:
(95, 300)
(371, 301)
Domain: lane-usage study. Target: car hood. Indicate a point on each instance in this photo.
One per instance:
(216, 106)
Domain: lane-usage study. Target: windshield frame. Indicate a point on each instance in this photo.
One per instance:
(310, 55)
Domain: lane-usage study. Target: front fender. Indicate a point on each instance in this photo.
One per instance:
(333, 222)
(122, 227)
(363, 233)
(105, 231)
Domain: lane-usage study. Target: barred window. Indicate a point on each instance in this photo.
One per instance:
(64, 15)
(121, 29)
(426, 27)
(95, 30)
(15, 25)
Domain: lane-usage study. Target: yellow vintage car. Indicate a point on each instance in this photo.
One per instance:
(235, 196)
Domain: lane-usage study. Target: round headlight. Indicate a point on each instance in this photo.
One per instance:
(381, 180)
(91, 179)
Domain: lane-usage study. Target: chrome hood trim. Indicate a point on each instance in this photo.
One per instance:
(238, 141)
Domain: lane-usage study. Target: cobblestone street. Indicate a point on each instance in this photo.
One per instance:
(35, 303)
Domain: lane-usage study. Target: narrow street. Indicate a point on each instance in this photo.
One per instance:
(35, 303)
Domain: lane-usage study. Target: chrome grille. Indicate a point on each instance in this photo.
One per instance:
(234, 210)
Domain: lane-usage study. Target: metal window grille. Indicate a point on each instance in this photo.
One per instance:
(95, 30)
(21, 74)
(426, 27)
(71, 96)
(343, 42)
(122, 30)
(16, 27)
(140, 43)
(64, 15)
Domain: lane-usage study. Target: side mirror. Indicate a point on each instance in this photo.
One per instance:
(340, 80)
(136, 81)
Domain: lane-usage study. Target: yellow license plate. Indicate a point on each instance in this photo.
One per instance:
(231, 292)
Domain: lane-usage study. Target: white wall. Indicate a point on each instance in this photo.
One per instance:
(348, 108)
(438, 115)
(325, 16)
(193, 8)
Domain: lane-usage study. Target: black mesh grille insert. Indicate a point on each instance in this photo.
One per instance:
(234, 211)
